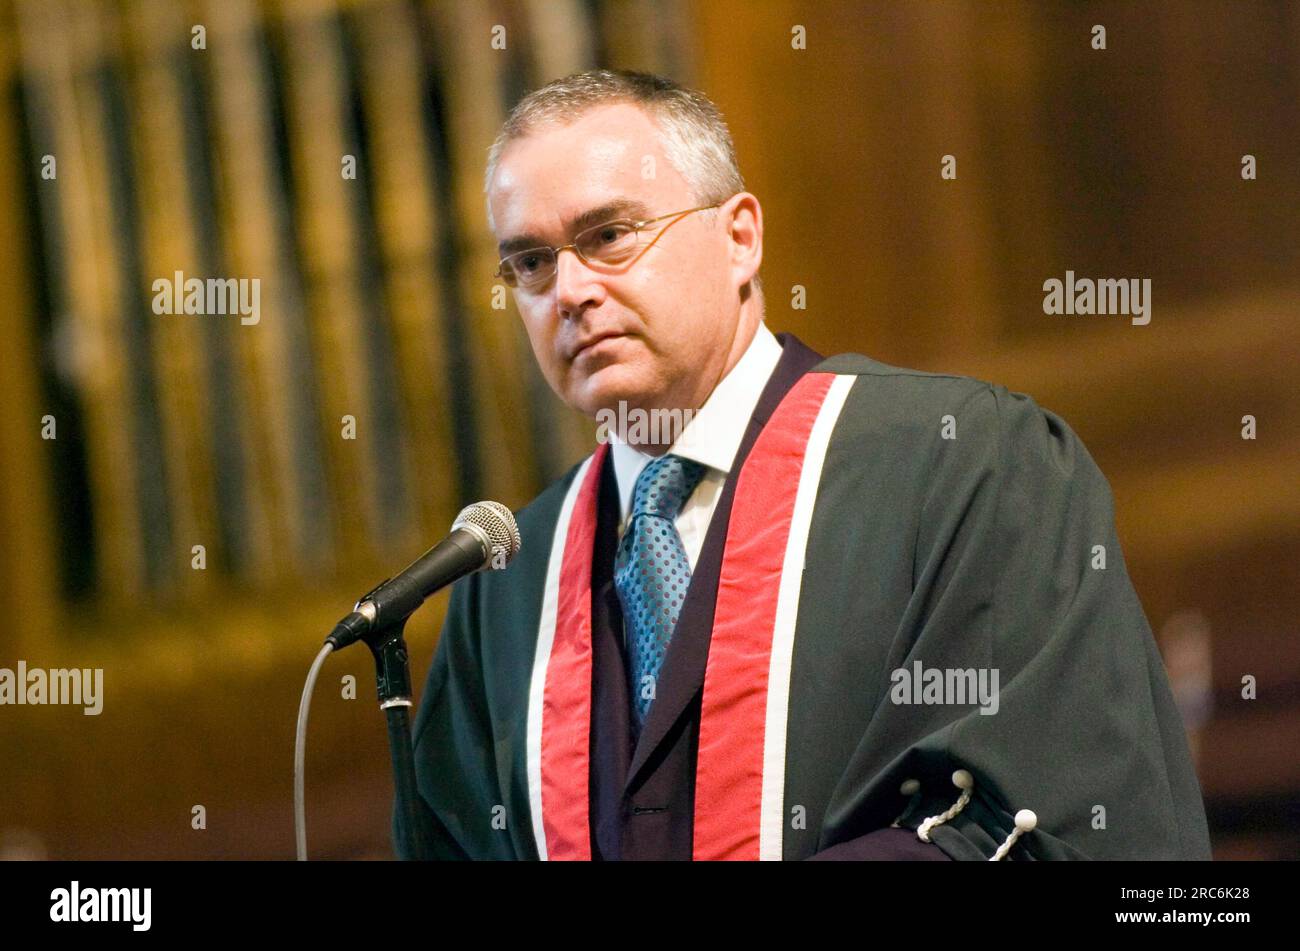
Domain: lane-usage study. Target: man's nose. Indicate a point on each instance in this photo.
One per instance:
(576, 287)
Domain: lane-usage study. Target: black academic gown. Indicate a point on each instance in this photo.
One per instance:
(944, 531)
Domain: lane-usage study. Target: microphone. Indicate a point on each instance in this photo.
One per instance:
(484, 535)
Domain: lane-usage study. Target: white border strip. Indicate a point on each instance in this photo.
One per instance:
(542, 656)
(772, 811)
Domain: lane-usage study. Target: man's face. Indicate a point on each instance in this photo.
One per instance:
(655, 332)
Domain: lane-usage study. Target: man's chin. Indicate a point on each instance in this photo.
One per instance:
(607, 388)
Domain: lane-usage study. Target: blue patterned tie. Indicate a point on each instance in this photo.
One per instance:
(651, 572)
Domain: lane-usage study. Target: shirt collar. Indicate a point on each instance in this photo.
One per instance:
(713, 434)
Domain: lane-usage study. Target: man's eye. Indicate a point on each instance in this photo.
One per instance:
(611, 234)
(528, 263)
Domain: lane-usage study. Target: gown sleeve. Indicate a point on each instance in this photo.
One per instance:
(1018, 569)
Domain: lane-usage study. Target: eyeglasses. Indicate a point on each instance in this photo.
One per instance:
(612, 243)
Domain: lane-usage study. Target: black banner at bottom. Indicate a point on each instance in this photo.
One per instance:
(391, 900)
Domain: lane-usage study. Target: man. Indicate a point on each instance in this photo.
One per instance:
(847, 611)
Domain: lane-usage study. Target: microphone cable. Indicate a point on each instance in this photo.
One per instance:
(300, 754)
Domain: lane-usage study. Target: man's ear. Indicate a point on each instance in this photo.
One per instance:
(744, 217)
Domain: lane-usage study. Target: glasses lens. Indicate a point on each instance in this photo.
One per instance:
(528, 267)
(610, 243)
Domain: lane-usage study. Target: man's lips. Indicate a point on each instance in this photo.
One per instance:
(591, 341)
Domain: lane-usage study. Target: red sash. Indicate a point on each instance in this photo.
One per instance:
(740, 772)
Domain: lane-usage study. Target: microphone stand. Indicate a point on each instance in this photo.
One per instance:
(393, 679)
(482, 533)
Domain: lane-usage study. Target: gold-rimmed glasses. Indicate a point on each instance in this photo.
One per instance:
(611, 243)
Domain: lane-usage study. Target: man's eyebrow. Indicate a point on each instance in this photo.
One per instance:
(618, 208)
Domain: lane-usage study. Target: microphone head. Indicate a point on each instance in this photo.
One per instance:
(498, 523)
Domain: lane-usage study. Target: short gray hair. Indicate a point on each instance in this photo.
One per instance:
(693, 134)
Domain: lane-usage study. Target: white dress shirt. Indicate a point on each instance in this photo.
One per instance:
(711, 437)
